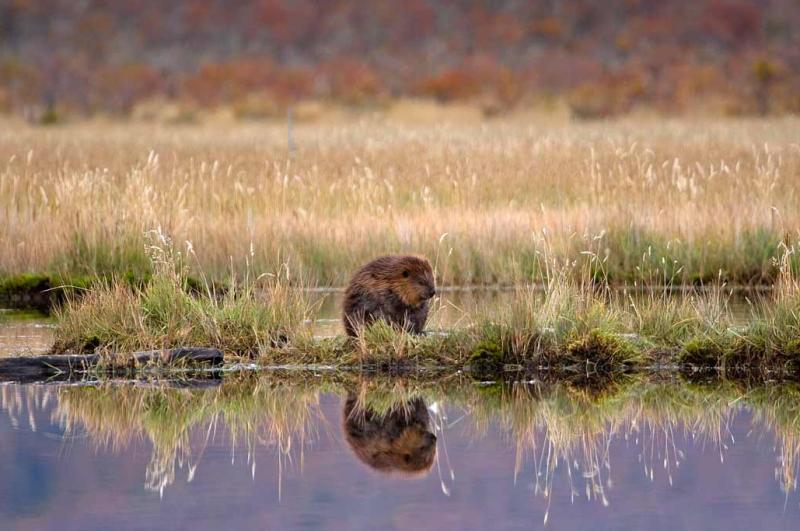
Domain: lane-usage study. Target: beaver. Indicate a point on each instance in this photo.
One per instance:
(393, 288)
(398, 441)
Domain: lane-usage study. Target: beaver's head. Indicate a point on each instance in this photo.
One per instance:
(409, 277)
(395, 442)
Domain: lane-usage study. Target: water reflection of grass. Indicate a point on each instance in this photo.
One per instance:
(249, 411)
(554, 425)
(778, 408)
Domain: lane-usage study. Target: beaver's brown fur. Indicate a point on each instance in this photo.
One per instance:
(398, 441)
(393, 288)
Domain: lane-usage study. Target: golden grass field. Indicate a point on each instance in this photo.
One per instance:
(654, 200)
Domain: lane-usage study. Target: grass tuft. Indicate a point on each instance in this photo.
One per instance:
(602, 351)
(169, 311)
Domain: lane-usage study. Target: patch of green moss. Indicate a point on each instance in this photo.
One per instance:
(28, 290)
(50, 117)
(135, 279)
(78, 282)
(24, 283)
(702, 352)
(488, 357)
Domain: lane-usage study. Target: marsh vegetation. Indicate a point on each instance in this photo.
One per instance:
(570, 326)
(699, 201)
(163, 237)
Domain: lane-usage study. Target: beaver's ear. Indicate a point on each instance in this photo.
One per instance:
(405, 273)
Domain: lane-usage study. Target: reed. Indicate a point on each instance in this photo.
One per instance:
(705, 201)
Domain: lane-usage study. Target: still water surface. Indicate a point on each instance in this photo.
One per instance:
(255, 454)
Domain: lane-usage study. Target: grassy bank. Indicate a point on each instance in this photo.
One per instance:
(245, 318)
(580, 328)
(705, 200)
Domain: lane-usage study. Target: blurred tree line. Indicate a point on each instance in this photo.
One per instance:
(602, 58)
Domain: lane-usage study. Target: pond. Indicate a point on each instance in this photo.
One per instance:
(320, 450)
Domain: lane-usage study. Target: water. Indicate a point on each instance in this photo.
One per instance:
(271, 452)
(24, 333)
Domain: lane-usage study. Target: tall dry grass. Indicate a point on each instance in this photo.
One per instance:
(699, 200)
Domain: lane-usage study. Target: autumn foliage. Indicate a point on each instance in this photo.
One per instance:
(603, 58)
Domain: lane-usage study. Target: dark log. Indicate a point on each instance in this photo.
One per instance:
(70, 366)
(183, 355)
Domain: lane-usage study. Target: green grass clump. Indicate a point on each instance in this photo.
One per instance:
(773, 340)
(381, 345)
(168, 312)
(602, 351)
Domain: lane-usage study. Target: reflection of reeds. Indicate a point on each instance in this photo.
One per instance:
(561, 425)
(16, 401)
(557, 426)
(253, 412)
(778, 409)
(563, 430)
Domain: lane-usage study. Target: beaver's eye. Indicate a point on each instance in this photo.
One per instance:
(405, 273)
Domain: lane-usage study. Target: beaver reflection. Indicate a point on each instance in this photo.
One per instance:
(397, 441)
